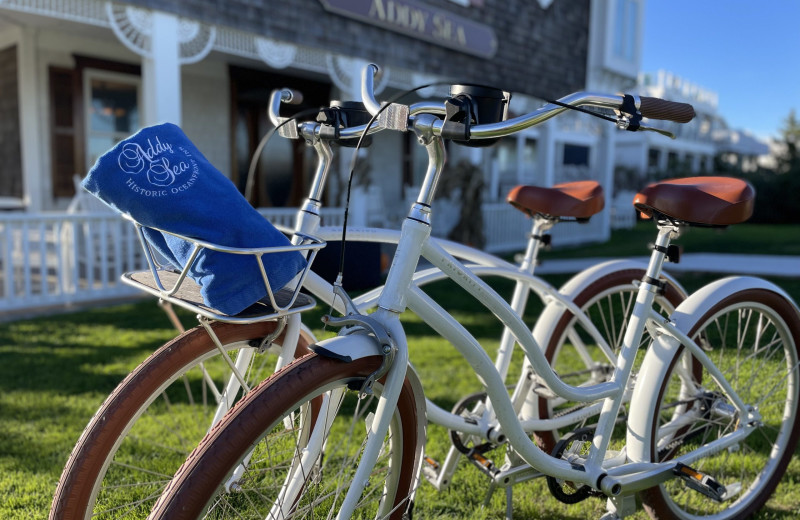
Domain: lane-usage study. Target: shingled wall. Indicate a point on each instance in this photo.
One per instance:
(541, 52)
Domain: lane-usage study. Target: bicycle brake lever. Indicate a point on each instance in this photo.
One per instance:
(624, 122)
(657, 130)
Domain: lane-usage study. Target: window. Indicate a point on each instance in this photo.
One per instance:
(653, 159)
(91, 108)
(672, 161)
(529, 162)
(415, 161)
(112, 110)
(688, 162)
(576, 155)
(625, 27)
(506, 162)
(10, 150)
(704, 165)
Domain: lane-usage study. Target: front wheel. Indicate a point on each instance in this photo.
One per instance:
(150, 423)
(291, 447)
(752, 336)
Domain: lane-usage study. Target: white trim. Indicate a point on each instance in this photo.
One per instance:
(10, 36)
(274, 53)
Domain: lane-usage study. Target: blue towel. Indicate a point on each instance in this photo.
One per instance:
(161, 179)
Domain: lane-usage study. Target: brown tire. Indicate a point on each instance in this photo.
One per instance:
(257, 426)
(152, 402)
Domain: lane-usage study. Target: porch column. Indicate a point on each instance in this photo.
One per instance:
(161, 72)
(605, 158)
(547, 159)
(35, 180)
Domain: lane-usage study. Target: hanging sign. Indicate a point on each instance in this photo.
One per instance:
(420, 21)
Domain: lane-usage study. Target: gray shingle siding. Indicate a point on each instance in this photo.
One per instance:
(541, 52)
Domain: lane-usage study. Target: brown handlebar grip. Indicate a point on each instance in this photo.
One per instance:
(656, 108)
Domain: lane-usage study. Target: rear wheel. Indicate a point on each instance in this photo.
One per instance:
(575, 355)
(264, 460)
(147, 427)
(752, 336)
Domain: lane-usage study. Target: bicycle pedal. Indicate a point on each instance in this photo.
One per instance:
(430, 470)
(706, 485)
(485, 465)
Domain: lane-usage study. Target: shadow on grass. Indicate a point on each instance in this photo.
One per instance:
(82, 352)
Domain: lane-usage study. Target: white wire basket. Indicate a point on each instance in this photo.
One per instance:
(175, 286)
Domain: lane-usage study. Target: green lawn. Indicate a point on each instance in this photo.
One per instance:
(762, 239)
(56, 370)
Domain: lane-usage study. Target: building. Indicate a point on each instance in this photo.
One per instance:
(696, 146)
(89, 72)
(78, 75)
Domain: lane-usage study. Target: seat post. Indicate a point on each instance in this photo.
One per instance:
(666, 232)
(536, 239)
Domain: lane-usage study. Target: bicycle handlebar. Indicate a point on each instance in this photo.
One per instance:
(278, 96)
(367, 89)
(310, 129)
(629, 109)
(650, 107)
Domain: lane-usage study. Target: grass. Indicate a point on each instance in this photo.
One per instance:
(763, 239)
(55, 371)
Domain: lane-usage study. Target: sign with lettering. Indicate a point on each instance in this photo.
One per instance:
(420, 21)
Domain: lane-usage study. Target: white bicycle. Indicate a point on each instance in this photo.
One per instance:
(150, 423)
(340, 432)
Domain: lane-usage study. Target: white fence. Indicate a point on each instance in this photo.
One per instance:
(507, 229)
(57, 259)
(61, 258)
(286, 216)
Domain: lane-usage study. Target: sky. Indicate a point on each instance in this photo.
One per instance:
(747, 51)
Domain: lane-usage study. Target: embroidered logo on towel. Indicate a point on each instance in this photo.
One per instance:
(168, 171)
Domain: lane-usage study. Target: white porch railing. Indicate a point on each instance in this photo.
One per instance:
(56, 259)
(507, 229)
(623, 215)
(66, 258)
(286, 216)
(63, 258)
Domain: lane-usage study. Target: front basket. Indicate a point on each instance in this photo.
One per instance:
(165, 282)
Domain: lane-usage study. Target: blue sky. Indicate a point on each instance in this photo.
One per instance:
(745, 50)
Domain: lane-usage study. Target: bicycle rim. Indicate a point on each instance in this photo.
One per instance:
(752, 337)
(150, 423)
(299, 460)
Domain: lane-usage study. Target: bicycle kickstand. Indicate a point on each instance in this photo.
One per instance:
(619, 507)
(509, 504)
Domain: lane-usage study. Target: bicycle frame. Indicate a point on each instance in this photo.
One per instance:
(480, 263)
(399, 293)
